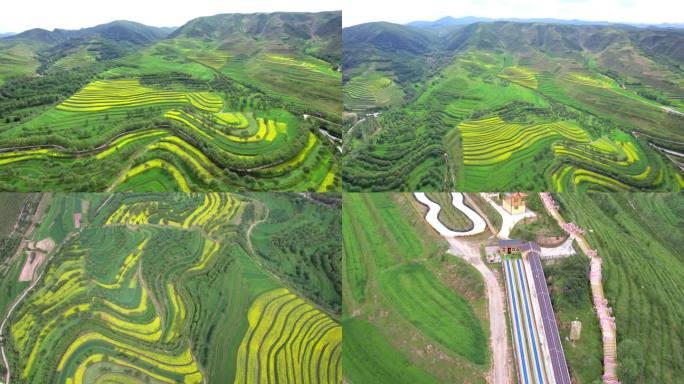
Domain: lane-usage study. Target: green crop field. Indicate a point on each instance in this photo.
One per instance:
(638, 237)
(500, 107)
(362, 93)
(410, 313)
(228, 111)
(172, 288)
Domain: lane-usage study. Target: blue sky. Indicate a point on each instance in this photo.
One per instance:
(17, 16)
(402, 11)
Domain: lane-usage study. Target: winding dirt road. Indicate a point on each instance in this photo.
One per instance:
(470, 252)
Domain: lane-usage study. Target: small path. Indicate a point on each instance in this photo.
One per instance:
(349, 131)
(66, 151)
(637, 133)
(432, 215)
(306, 116)
(508, 220)
(671, 111)
(20, 299)
(252, 255)
(606, 320)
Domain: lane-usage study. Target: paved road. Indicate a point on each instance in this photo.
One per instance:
(470, 252)
(432, 215)
(565, 249)
(560, 366)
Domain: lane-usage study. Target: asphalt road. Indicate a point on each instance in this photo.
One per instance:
(560, 366)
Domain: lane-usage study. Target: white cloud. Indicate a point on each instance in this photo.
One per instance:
(629, 11)
(17, 16)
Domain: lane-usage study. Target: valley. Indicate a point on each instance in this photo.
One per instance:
(501, 106)
(220, 103)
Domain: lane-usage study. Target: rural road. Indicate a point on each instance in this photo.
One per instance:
(432, 215)
(508, 220)
(22, 297)
(470, 252)
(495, 300)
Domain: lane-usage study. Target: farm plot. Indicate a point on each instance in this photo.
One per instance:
(158, 288)
(608, 165)
(362, 93)
(105, 94)
(283, 331)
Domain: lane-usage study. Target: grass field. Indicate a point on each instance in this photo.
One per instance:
(165, 288)
(449, 215)
(418, 314)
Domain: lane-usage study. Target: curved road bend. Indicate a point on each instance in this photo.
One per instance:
(432, 215)
(470, 252)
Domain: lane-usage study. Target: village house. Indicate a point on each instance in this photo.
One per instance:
(514, 203)
(507, 247)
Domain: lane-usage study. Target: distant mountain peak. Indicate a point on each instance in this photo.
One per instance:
(450, 21)
(119, 30)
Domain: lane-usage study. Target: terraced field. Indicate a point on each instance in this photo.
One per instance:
(196, 146)
(525, 115)
(637, 238)
(362, 93)
(526, 77)
(106, 94)
(284, 331)
(255, 108)
(165, 289)
(491, 140)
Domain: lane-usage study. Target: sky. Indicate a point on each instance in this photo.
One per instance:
(626, 11)
(18, 16)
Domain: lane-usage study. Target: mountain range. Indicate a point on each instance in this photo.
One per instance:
(408, 51)
(449, 21)
(39, 50)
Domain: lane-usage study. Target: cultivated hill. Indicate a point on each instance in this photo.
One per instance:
(503, 105)
(280, 30)
(234, 101)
